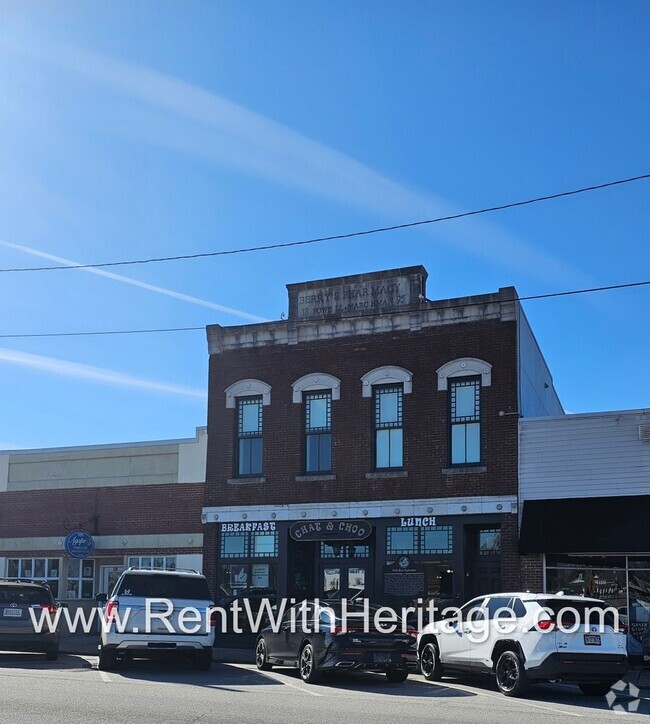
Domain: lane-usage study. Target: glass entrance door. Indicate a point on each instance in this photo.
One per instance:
(343, 580)
(344, 570)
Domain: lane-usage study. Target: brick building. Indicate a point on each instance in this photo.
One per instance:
(139, 502)
(369, 443)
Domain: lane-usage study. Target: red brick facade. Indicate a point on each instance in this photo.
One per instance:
(132, 510)
(426, 416)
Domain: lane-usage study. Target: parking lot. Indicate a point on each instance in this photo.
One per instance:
(73, 690)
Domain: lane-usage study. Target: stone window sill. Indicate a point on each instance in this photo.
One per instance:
(314, 478)
(387, 474)
(464, 470)
(246, 481)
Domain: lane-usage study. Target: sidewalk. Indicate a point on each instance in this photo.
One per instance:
(80, 644)
(640, 678)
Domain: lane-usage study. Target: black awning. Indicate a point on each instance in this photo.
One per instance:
(618, 524)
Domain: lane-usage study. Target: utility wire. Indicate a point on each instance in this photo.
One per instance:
(317, 240)
(197, 329)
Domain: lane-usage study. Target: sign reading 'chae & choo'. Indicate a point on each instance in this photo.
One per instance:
(331, 530)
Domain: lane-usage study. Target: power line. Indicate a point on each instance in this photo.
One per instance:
(101, 333)
(350, 235)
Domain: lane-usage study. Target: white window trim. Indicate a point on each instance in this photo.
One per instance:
(248, 388)
(465, 367)
(316, 381)
(386, 376)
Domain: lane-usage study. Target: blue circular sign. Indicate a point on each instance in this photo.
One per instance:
(79, 544)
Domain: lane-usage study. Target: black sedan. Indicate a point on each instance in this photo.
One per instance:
(315, 639)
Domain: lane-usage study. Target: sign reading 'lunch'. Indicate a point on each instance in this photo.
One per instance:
(331, 530)
(363, 297)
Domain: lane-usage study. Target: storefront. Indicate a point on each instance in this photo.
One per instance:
(77, 517)
(391, 561)
(74, 579)
(623, 582)
(597, 547)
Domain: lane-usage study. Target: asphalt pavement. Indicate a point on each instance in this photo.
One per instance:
(74, 690)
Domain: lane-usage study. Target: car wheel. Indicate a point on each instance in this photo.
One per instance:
(52, 653)
(599, 688)
(202, 660)
(261, 660)
(107, 659)
(510, 674)
(397, 676)
(430, 662)
(309, 672)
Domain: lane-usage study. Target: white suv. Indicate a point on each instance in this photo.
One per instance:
(521, 638)
(133, 624)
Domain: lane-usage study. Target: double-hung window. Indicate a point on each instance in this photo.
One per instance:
(318, 431)
(388, 424)
(465, 419)
(249, 436)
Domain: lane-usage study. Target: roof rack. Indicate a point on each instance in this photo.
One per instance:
(164, 570)
(35, 581)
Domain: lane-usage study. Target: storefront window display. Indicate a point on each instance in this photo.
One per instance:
(431, 548)
(81, 578)
(41, 569)
(248, 572)
(623, 582)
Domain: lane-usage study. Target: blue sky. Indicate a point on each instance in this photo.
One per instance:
(136, 129)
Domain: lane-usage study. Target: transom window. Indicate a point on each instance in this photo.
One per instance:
(334, 550)
(388, 424)
(39, 569)
(249, 434)
(465, 420)
(429, 540)
(245, 544)
(163, 563)
(318, 431)
(489, 542)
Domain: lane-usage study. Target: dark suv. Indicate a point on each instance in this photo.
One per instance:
(17, 631)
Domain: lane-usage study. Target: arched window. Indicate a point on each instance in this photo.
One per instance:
(316, 391)
(387, 386)
(464, 378)
(248, 397)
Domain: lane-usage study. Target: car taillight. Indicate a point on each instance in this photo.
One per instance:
(545, 625)
(622, 628)
(213, 618)
(111, 608)
(48, 607)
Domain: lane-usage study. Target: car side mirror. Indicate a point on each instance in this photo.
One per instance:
(101, 598)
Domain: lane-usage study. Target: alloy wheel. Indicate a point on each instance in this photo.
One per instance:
(260, 654)
(507, 673)
(306, 662)
(427, 661)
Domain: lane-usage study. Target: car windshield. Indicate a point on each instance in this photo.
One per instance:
(25, 596)
(163, 586)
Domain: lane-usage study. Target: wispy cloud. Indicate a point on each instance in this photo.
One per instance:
(91, 373)
(193, 120)
(135, 282)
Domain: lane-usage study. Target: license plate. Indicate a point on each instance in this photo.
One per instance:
(592, 640)
(12, 612)
(382, 658)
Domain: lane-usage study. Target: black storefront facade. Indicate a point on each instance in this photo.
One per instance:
(597, 547)
(395, 561)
